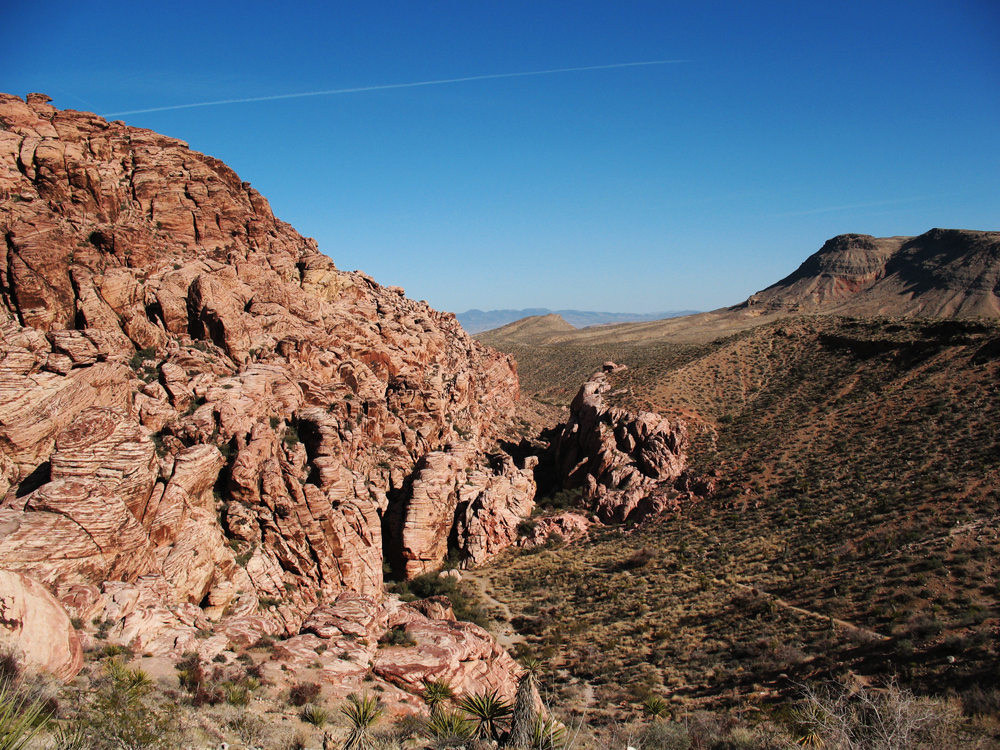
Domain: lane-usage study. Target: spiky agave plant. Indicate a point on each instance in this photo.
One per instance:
(437, 692)
(488, 712)
(362, 711)
(526, 703)
(654, 706)
(20, 719)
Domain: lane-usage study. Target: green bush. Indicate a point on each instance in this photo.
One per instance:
(466, 607)
(126, 714)
(396, 636)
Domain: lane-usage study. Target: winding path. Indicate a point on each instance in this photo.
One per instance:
(507, 638)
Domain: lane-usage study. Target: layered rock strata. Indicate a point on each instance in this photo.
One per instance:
(204, 424)
(942, 273)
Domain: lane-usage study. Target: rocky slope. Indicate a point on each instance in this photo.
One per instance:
(477, 321)
(204, 424)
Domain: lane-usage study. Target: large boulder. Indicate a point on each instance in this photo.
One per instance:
(39, 626)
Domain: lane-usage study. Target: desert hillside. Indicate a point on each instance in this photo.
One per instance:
(943, 273)
(850, 533)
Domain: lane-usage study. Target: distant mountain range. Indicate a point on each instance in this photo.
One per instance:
(474, 321)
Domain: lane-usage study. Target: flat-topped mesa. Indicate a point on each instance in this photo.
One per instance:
(258, 424)
(941, 273)
(626, 464)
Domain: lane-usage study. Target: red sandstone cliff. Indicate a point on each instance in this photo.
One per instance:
(199, 411)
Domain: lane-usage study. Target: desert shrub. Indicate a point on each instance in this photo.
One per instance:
(559, 500)
(448, 729)
(208, 694)
(10, 666)
(140, 356)
(893, 719)
(704, 728)
(924, 627)
(190, 672)
(302, 693)
(979, 702)
(396, 636)
(664, 735)
(126, 713)
(249, 728)
(639, 559)
(431, 584)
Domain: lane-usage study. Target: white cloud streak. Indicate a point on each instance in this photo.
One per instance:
(390, 86)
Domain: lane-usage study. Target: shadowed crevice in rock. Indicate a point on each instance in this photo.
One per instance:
(34, 480)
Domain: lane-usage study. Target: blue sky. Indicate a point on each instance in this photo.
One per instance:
(687, 185)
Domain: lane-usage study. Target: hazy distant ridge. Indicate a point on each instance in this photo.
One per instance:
(475, 321)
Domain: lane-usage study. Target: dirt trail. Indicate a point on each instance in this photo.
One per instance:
(483, 583)
(809, 613)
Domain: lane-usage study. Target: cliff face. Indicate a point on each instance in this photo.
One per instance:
(195, 401)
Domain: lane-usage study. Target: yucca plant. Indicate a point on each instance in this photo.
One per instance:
(654, 706)
(437, 692)
(548, 734)
(488, 712)
(20, 720)
(315, 715)
(71, 737)
(362, 712)
(236, 695)
(526, 704)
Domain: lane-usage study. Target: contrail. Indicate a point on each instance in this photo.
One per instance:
(390, 86)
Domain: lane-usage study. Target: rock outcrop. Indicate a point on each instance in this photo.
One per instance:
(203, 422)
(625, 464)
